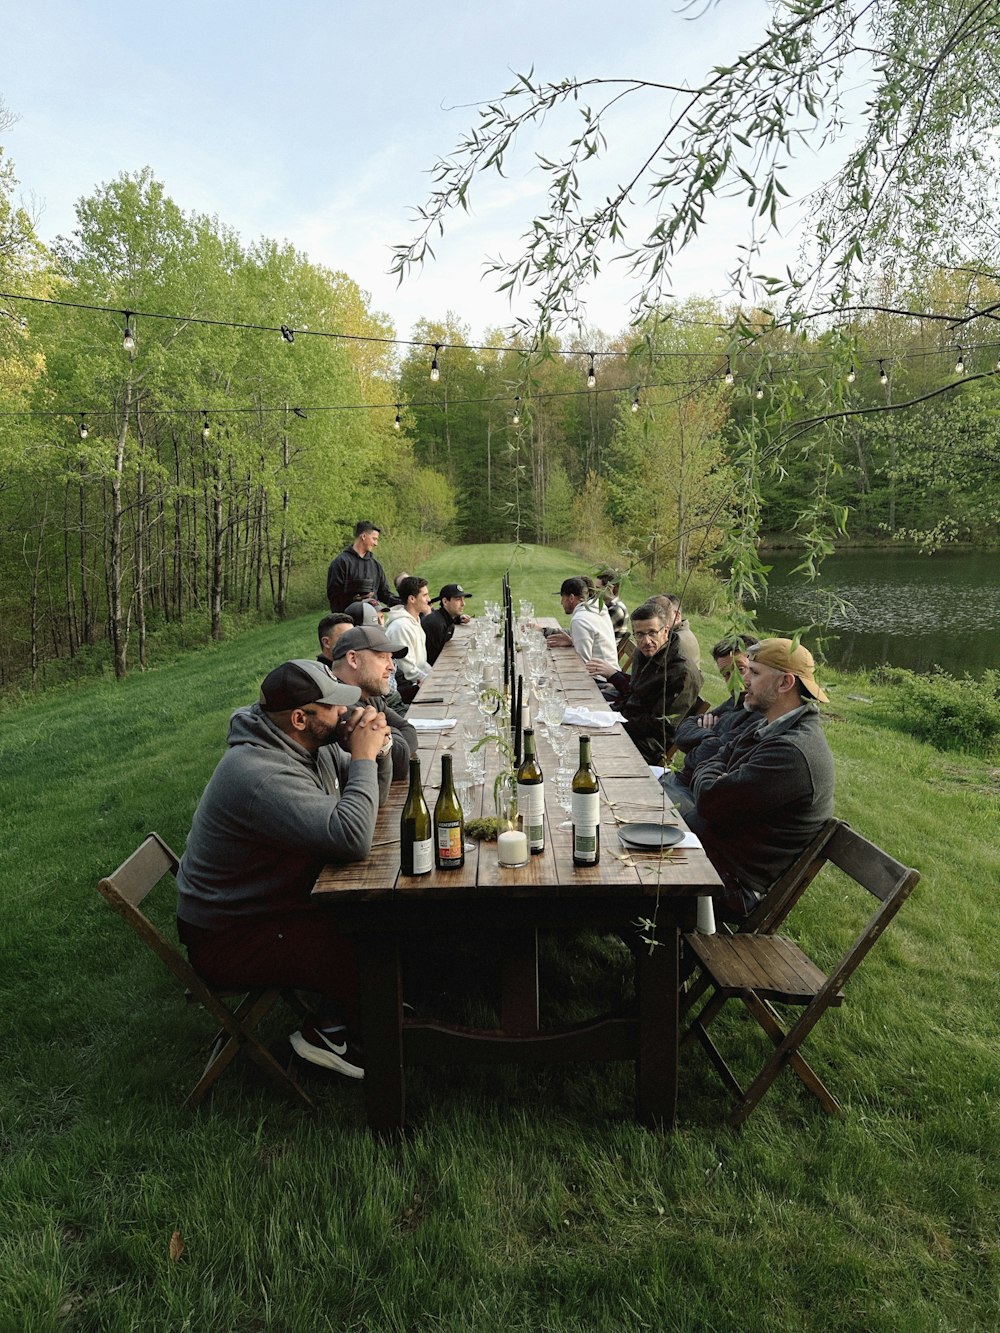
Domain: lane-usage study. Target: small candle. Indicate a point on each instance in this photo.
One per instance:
(706, 917)
(512, 848)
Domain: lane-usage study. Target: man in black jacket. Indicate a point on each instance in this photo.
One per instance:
(769, 791)
(355, 574)
(439, 625)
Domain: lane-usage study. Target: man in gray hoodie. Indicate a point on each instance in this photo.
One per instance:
(299, 785)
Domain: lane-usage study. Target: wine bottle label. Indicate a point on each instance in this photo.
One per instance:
(586, 814)
(449, 841)
(531, 813)
(423, 856)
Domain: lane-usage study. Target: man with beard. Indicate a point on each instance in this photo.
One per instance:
(364, 657)
(663, 685)
(298, 786)
(355, 575)
(702, 737)
(769, 791)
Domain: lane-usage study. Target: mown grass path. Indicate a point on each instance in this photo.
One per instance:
(524, 1199)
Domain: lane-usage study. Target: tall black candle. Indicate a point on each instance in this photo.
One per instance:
(517, 722)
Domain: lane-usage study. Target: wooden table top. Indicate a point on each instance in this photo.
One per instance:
(629, 792)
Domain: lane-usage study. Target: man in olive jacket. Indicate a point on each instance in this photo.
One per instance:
(769, 791)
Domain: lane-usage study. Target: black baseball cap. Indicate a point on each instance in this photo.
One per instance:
(451, 590)
(370, 637)
(297, 683)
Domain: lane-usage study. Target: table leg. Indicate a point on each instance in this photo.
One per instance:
(658, 983)
(519, 982)
(382, 1032)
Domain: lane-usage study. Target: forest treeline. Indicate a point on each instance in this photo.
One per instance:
(185, 477)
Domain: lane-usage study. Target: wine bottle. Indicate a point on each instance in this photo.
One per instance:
(586, 811)
(531, 796)
(416, 846)
(449, 823)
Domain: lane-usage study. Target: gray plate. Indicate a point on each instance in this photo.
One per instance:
(650, 835)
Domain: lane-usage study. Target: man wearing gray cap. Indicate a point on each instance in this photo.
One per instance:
(299, 785)
(364, 657)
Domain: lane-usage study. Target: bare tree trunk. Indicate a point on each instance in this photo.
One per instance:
(116, 612)
(217, 540)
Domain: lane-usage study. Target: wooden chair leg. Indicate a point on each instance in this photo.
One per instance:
(247, 1015)
(767, 1016)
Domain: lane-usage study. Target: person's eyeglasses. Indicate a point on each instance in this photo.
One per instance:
(648, 634)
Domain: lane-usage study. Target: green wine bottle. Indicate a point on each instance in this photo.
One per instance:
(416, 846)
(531, 796)
(586, 811)
(449, 823)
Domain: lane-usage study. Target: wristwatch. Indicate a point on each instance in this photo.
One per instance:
(386, 746)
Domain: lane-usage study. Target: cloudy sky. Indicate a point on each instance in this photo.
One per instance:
(317, 121)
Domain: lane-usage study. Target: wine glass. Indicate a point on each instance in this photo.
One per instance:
(465, 789)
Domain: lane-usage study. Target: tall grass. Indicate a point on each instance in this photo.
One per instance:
(523, 1199)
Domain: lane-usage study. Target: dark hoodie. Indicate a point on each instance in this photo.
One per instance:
(271, 816)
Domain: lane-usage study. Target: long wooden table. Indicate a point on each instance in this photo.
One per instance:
(385, 909)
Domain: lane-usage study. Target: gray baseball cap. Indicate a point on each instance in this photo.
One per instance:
(366, 637)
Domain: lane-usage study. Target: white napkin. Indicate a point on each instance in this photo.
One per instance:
(590, 717)
(432, 723)
(689, 840)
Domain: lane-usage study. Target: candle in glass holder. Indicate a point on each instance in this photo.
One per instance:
(512, 848)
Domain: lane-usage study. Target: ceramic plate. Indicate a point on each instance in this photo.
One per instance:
(650, 835)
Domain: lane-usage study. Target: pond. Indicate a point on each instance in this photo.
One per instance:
(904, 608)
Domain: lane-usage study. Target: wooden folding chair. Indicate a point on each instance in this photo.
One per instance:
(626, 651)
(763, 969)
(126, 889)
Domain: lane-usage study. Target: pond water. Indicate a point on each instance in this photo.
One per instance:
(907, 609)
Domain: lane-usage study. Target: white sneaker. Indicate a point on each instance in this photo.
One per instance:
(329, 1048)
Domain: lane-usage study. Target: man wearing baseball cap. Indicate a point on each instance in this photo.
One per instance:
(364, 657)
(299, 785)
(439, 625)
(768, 792)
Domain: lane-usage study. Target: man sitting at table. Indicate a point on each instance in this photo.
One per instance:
(403, 627)
(702, 737)
(365, 657)
(663, 685)
(769, 791)
(439, 625)
(590, 629)
(298, 786)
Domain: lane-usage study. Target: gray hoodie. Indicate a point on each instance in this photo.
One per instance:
(271, 816)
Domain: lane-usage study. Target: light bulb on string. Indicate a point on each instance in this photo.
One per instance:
(591, 373)
(206, 429)
(435, 369)
(635, 399)
(730, 377)
(998, 363)
(128, 337)
(287, 334)
(83, 427)
(852, 374)
(516, 418)
(883, 377)
(760, 392)
(960, 362)
(396, 423)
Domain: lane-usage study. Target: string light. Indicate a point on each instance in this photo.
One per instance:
(83, 427)
(297, 412)
(635, 399)
(730, 377)
(128, 337)
(396, 423)
(206, 429)
(883, 377)
(591, 373)
(960, 362)
(435, 370)
(760, 392)
(852, 374)
(287, 334)
(516, 418)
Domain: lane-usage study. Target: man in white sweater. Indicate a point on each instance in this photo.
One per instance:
(590, 630)
(403, 627)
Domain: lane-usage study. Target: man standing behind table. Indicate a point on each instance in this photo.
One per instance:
(663, 685)
(608, 583)
(355, 574)
(365, 657)
(590, 630)
(702, 737)
(769, 791)
(439, 625)
(298, 786)
(403, 627)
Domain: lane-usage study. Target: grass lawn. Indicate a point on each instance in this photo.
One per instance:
(524, 1199)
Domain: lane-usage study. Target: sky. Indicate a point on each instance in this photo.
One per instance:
(317, 122)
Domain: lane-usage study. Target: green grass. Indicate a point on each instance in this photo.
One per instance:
(524, 1199)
